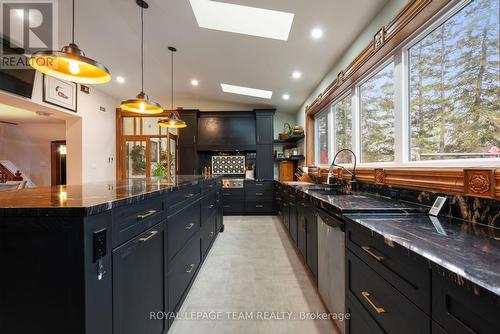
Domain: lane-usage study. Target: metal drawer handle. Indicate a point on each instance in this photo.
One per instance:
(258, 184)
(226, 194)
(146, 215)
(211, 206)
(226, 206)
(370, 251)
(259, 194)
(375, 307)
(190, 226)
(189, 195)
(190, 268)
(211, 234)
(151, 234)
(259, 206)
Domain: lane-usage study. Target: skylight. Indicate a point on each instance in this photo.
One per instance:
(242, 19)
(264, 94)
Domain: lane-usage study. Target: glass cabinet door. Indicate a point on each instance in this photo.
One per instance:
(135, 159)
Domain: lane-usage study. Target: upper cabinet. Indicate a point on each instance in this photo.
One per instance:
(187, 136)
(226, 129)
(264, 127)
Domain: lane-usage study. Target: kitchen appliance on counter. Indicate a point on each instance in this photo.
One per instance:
(331, 264)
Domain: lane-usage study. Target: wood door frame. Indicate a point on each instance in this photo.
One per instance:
(54, 158)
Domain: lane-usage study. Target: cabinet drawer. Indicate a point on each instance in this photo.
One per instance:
(408, 273)
(460, 309)
(208, 234)
(360, 321)
(259, 195)
(208, 206)
(259, 185)
(258, 207)
(179, 198)
(182, 272)
(181, 227)
(389, 308)
(233, 206)
(130, 220)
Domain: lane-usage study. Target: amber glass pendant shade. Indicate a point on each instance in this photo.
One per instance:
(141, 105)
(172, 121)
(70, 63)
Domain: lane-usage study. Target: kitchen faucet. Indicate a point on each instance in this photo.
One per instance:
(354, 180)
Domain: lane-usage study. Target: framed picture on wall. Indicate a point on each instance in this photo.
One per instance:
(60, 93)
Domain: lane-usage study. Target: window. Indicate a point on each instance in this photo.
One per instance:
(376, 96)
(454, 99)
(342, 111)
(436, 99)
(322, 154)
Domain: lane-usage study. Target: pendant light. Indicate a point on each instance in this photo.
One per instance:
(173, 120)
(141, 103)
(70, 63)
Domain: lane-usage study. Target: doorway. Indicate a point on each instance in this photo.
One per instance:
(58, 152)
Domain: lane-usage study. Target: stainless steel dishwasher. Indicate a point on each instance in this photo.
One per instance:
(331, 263)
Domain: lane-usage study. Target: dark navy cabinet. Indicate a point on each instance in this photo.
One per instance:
(139, 285)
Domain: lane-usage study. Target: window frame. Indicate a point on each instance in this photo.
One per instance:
(326, 111)
(402, 130)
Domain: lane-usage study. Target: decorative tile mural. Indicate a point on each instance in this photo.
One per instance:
(228, 164)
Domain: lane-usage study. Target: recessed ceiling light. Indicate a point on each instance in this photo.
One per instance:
(317, 33)
(265, 94)
(286, 97)
(242, 19)
(296, 75)
(120, 79)
(194, 82)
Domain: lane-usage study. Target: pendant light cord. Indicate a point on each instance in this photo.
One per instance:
(142, 49)
(172, 80)
(73, 25)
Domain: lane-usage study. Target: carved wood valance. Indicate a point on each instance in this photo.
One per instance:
(477, 182)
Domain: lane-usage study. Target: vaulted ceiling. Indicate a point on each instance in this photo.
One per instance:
(109, 31)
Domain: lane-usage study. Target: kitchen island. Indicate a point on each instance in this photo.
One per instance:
(99, 258)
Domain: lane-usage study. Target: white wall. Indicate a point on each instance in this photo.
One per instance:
(28, 147)
(90, 133)
(280, 118)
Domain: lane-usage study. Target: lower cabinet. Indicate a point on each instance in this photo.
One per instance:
(461, 310)
(360, 321)
(390, 309)
(208, 233)
(138, 283)
(181, 272)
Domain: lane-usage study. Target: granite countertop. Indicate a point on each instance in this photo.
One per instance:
(344, 203)
(89, 198)
(467, 249)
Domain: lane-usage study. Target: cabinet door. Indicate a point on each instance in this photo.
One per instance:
(265, 162)
(139, 283)
(360, 321)
(188, 160)
(302, 235)
(187, 136)
(264, 130)
(312, 243)
(292, 218)
(285, 213)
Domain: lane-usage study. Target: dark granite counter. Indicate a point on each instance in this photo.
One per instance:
(91, 198)
(469, 250)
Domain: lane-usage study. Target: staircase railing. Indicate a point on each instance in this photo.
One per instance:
(7, 175)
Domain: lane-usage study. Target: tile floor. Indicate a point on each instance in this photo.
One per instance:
(251, 268)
